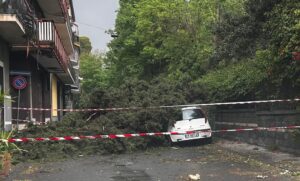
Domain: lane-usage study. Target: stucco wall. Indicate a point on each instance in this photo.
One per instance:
(39, 86)
(4, 58)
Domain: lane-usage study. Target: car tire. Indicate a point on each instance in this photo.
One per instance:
(171, 143)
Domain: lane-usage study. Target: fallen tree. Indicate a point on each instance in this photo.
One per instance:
(131, 93)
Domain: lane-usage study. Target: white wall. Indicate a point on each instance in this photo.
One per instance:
(4, 61)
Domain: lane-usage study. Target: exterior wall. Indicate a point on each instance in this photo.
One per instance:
(4, 59)
(286, 140)
(44, 90)
(41, 93)
(36, 94)
(46, 96)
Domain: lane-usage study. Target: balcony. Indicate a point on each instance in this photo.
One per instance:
(53, 56)
(58, 11)
(16, 21)
(74, 59)
(75, 31)
(65, 32)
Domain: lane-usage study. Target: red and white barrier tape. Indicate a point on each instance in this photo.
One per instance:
(114, 136)
(152, 107)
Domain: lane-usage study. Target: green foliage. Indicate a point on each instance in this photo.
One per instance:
(269, 25)
(175, 52)
(2, 97)
(284, 21)
(238, 36)
(85, 45)
(228, 49)
(172, 38)
(241, 81)
(133, 93)
(202, 50)
(94, 72)
(282, 28)
(5, 146)
(136, 93)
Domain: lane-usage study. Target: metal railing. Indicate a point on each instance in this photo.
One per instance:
(14, 6)
(48, 35)
(75, 31)
(22, 9)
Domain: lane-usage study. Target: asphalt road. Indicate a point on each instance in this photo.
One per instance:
(222, 160)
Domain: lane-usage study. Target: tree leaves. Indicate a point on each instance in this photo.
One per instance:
(94, 72)
(235, 49)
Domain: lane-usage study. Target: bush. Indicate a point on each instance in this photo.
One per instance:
(241, 81)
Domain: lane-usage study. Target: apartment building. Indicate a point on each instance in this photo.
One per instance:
(39, 59)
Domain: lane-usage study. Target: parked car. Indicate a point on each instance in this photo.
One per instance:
(195, 120)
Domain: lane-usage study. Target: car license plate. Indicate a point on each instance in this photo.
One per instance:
(193, 135)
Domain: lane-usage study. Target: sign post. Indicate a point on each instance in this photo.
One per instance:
(19, 83)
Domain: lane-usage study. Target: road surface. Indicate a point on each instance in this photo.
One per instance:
(222, 160)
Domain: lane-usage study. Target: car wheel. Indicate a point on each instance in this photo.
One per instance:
(171, 143)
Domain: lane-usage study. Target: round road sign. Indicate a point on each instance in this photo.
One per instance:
(19, 82)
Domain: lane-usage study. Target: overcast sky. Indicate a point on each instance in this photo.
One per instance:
(94, 17)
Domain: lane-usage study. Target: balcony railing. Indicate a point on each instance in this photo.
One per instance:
(48, 36)
(14, 7)
(22, 9)
(75, 31)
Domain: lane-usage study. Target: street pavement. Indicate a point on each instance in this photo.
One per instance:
(222, 160)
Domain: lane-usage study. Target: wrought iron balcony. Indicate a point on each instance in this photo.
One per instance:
(16, 21)
(19, 7)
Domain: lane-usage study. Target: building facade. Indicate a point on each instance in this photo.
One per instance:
(39, 59)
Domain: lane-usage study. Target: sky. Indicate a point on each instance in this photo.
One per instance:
(93, 18)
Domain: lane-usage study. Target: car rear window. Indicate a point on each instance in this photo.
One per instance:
(192, 114)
